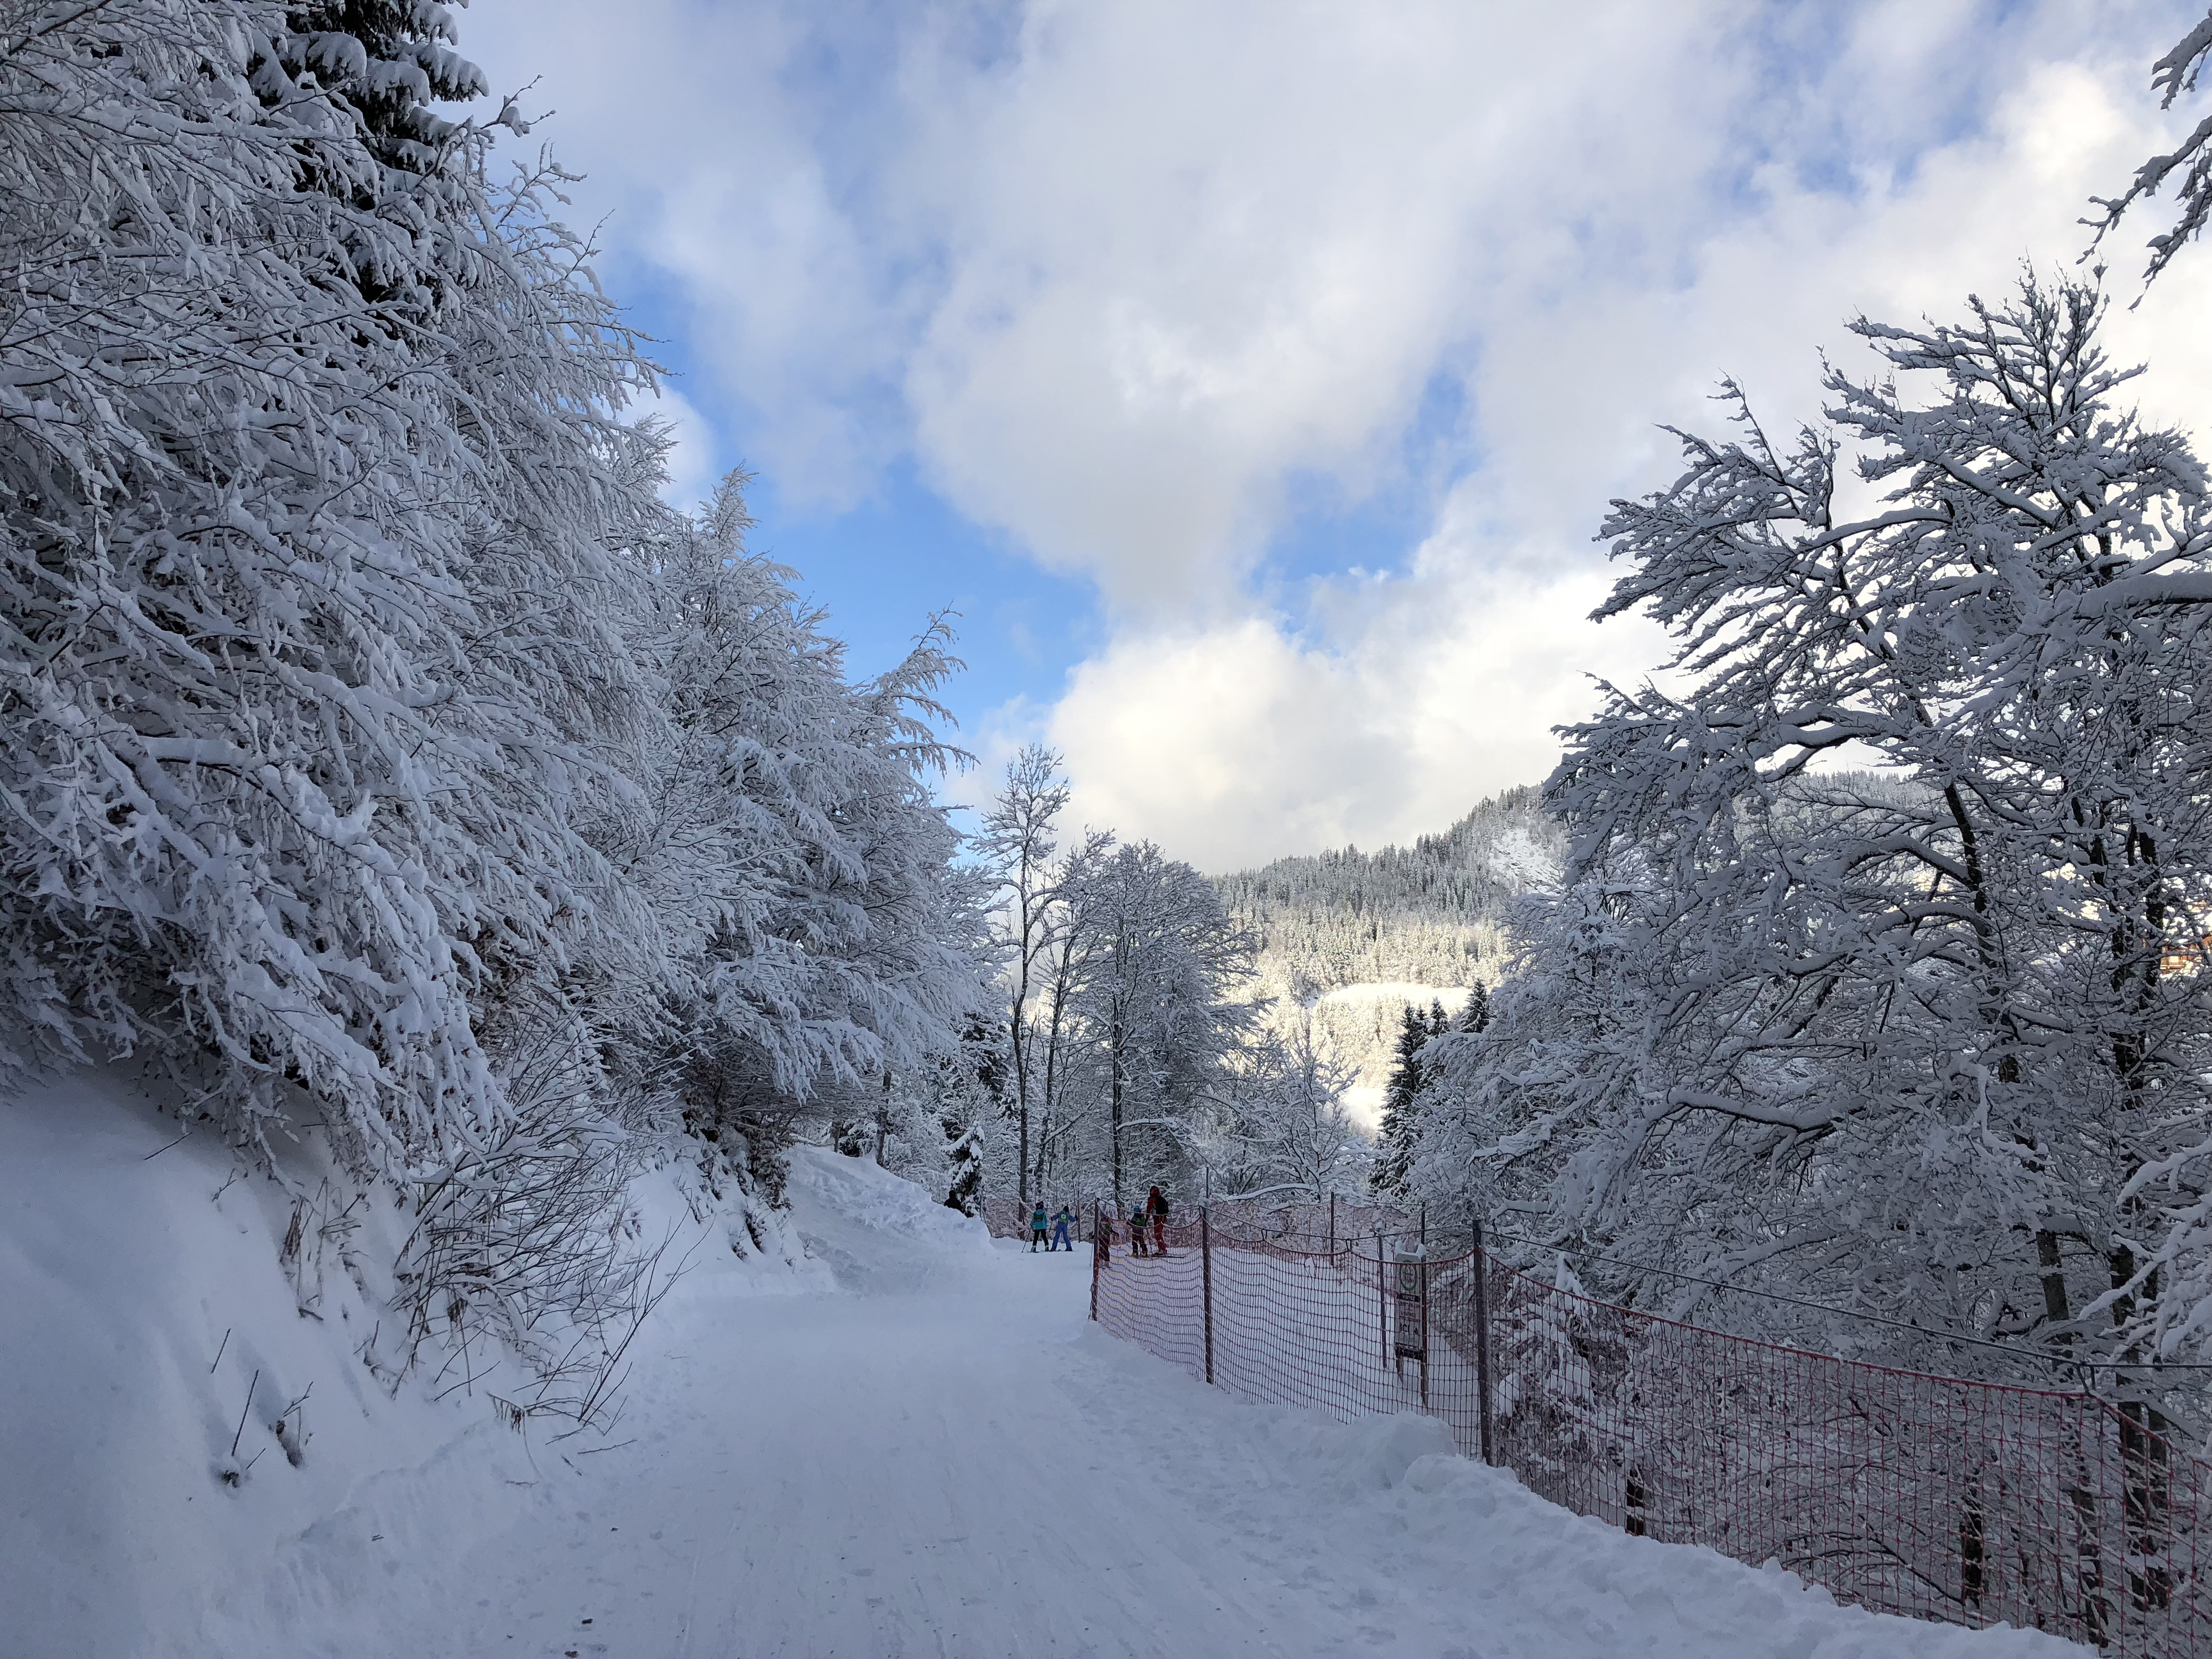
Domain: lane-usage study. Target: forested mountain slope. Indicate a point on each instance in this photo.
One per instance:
(1429, 914)
(1358, 936)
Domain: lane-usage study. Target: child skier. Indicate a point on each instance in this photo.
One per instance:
(1060, 1239)
(1037, 1226)
(1137, 1231)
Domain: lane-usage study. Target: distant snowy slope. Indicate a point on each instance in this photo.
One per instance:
(1359, 937)
(1427, 914)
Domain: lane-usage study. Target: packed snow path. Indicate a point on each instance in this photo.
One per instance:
(944, 1457)
(897, 1440)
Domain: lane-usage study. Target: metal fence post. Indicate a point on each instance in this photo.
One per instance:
(1425, 1324)
(1097, 1258)
(1205, 1280)
(1383, 1299)
(1482, 1344)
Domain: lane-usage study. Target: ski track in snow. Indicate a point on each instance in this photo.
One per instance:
(946, 1458)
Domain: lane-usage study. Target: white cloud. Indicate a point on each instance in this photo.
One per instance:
(1231, 744)
(1378, 712)
(1120, 275)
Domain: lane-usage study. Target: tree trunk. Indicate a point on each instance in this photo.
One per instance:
(1114, 1040)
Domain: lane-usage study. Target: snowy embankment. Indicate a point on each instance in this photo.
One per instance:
(158, 1336)
(927, 1449)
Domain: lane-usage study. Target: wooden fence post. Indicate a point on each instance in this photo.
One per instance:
(1382, 1299)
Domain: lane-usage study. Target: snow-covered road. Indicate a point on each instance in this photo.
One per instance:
(944, 1457)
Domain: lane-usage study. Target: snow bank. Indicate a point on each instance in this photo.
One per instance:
(197, 1458)
(876, 1232)
(157, 1343)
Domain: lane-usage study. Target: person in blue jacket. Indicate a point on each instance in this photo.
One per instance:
(1060, 1239)
(1037, 1226)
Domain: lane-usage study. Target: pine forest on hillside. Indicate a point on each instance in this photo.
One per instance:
(1434, 913)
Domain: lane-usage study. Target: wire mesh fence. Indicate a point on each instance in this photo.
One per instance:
(1933, 1496)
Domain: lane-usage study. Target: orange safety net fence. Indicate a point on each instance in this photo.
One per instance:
(1935, 1497)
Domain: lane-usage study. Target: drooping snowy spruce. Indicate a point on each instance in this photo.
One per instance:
(1878, 973)
(824, 938)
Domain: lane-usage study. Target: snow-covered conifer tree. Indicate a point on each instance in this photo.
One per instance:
(1393, 1156)
(824, 935)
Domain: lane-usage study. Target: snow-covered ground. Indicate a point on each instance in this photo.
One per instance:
(923, 1448)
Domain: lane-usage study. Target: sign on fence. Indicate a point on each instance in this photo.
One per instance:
(1410, 1326)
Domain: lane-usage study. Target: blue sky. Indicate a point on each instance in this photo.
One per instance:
(1251, 377)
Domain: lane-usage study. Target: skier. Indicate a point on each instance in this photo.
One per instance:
(1060, 1239)
(1156, 1206)
(1037, 1226)
(1137, 1231)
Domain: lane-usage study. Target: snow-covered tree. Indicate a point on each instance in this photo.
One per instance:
(1284, 1126)
(376, 750)
(1067, 1089)
(1019, 840)
(1928, 1042)
(283, 779)
(2172, 75)
(1393, 1156)
(1156, 1003)
(805, 873)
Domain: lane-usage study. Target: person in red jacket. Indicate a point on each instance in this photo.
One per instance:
(1157, 1207)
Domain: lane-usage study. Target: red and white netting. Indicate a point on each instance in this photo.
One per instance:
(1929, 1496)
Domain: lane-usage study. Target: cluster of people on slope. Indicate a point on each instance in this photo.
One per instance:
(1060, 1225)
(1153, 1213)
(1153, 1210)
